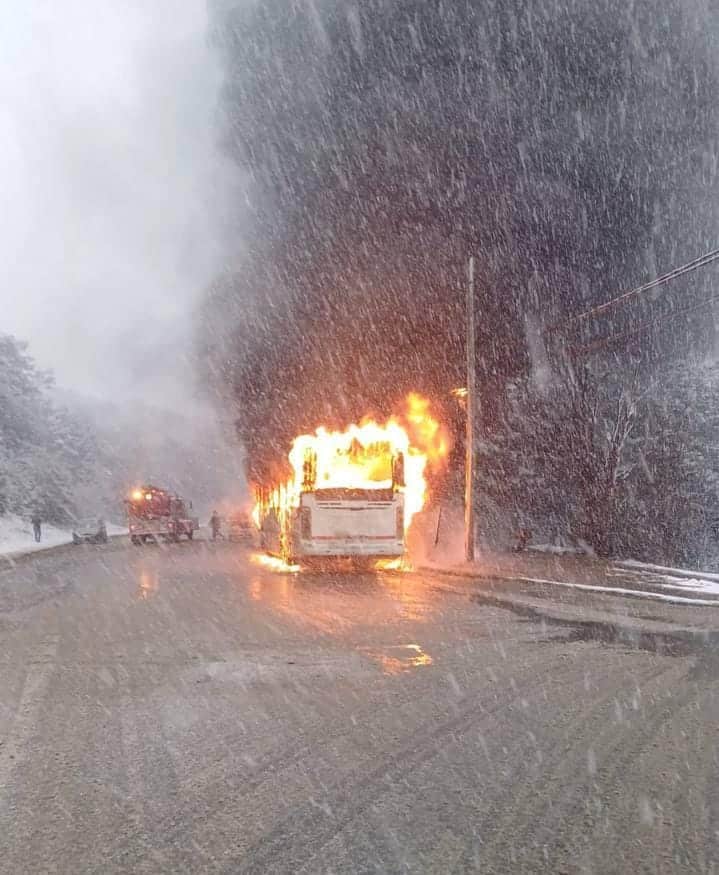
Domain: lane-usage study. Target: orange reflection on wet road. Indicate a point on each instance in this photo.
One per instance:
(148, 585)
(400, 658)
(377, 606)
(402, 563)
(281, 596)
(410, 596)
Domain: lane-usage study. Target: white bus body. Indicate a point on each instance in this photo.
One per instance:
(338, 523)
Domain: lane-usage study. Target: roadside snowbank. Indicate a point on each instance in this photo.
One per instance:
(618, 590)
(677, 579)
(557, 549)
(665, 569)
(16, 535)
(697, 584)
(588, 573)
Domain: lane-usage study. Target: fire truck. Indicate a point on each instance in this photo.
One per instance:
(361, 524)
(154, 514)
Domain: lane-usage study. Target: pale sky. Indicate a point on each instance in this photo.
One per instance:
(116, 202)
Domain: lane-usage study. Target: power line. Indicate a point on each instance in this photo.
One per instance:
(690, 266)
(611, 340)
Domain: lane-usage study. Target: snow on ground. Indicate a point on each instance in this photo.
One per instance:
(697, 584)
(664, 569)
(677, 579)
(618, 590)
(555, 549)
(16, 535)
(581, 572)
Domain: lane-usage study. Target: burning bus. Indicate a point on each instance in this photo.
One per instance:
(352, 493)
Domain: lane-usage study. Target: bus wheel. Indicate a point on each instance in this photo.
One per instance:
(135, 540)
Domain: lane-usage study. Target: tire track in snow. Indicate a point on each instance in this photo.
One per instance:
(42, 663)
(296, 841)
(534, 819)
(132, 751)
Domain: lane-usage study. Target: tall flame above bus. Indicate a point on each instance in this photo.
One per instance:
(395, 454)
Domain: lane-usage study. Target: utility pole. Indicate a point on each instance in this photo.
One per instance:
(471, 423)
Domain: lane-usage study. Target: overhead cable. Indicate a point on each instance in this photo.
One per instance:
(613, 339)
(690, 266)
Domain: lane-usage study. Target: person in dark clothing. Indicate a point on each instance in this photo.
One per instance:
(37, 527)
(524, 536)
(215, 525)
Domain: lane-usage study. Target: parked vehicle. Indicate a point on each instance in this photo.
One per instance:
(90, 531)
(240, 528)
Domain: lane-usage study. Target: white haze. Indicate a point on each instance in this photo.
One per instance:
(116, 202)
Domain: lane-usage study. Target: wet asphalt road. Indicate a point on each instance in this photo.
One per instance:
(185, 710)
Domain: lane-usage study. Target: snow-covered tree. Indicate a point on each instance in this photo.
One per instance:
(44, 450)
(559, 456)
(628, 465)
(672, 495)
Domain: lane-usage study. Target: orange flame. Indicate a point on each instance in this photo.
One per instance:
(365, 456)
(274, 563)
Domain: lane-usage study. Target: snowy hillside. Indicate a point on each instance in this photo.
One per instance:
(16, 536)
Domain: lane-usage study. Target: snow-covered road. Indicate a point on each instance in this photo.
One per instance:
(184, 709)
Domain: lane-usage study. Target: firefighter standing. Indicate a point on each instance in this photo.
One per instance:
(215, 525)
(37, 527)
